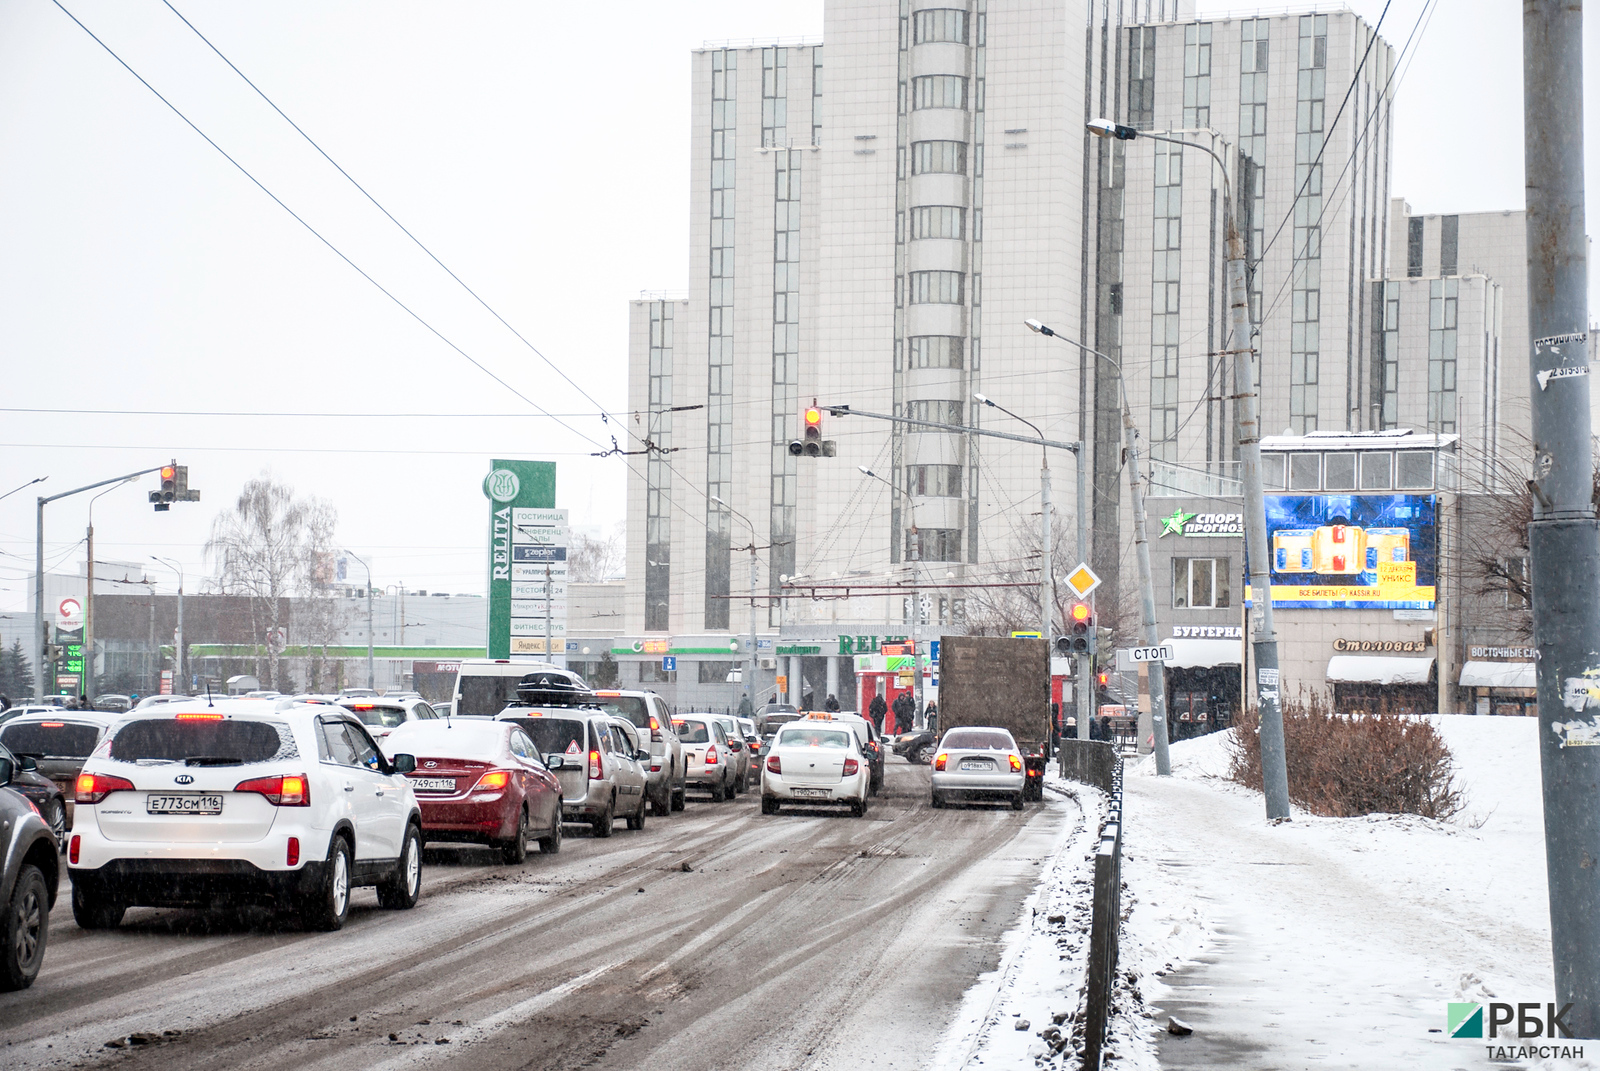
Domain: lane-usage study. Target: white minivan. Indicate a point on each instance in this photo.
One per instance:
(486, 686)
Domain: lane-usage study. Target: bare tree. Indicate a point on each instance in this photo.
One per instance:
(266, 548)
(591, 560)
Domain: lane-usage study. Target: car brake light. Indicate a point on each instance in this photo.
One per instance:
(609, 695)
(92, 788)
(851, 766)
(286, 791)
(52, 725)
(72, 851)
(493, 781)
(198, 717)
(1016, 762)
(362, 706)
(940, 760)
(655, 729)
(711, 755)
(292, 857)
(774, 764)
(596, 771)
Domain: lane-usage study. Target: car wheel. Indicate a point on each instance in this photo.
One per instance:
(769, 805)
(26, 929)
(924, 754)
(719, 791)
(1016, 802)
(680, 796)
(602, 824)
(637, 821)
(93, 910)
(328, 907)
(551, 844)
(857, 808)
(55, 815)
(402, 890)
(936, 802)
(515, 850)
(662, 804)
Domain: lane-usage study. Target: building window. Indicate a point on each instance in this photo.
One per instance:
(1377, 471)
(652, 673)
(658, 476)
(1197, 75)
(774, 96)
(716, 672)
(1414, 470)
(1272, 472)
(785, 368)
(938, 221)
(1339, 472)
(1305, 342)
(1385, 355)
(1305, 472)
(934, 481)
(941, 24)
(940, 412)
(1442, 300)
(1254, 44)
(937, 287)
(719, 342)
(816, 95)
(934, 351)
(938, 91)
(1141, 76)
(933, 544)
(1201, 583)
(938, 158)
(1449, 244)
(1515, 571)
(1165, 258)
(1414, 247)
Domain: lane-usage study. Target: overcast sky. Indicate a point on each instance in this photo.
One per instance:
(541, 150)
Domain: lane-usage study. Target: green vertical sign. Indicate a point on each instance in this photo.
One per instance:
(510, 485)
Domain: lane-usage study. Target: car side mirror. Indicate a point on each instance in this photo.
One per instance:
(555, 760)
(6, 771)
(27, 763)
(404, 763)
(643, 755)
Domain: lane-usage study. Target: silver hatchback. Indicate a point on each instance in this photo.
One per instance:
(978, 763)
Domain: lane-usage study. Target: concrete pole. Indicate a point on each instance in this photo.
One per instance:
(833, 678)
(42, 688)
(1147, 596)
(177, 655)
(86, 682)
(1086, 685)
(1046, 581)
(752, 661)
(1564, 539)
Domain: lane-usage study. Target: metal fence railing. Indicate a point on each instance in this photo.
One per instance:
(1105, 919)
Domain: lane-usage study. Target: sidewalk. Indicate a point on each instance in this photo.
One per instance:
(1331, 943)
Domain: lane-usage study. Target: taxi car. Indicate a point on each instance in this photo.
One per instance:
(816, 760)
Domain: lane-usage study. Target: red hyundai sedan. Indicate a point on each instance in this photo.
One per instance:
(481, 782)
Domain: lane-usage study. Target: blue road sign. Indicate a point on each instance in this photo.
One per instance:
(669, 663)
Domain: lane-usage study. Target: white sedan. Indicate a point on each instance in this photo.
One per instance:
(815, 762)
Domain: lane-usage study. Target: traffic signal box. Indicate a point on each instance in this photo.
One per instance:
(1081, 636)
(811, 443)
(174, 488)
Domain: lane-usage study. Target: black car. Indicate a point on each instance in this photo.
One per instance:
(58, 743)
(28, 884)
(40, 791)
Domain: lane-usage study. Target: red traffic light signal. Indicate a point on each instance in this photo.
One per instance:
(1081, 611)
(1102, 678)
(811, 443)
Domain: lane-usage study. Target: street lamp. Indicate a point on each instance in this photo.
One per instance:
(1274, 769)
(749, 672)
(1046, 570)
(177, 654)
(370, 675)
(86, 682)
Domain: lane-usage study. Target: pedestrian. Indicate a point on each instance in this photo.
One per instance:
(832, 703)
(745, 709)
(904, 712)
(930, 717)
(876, 710)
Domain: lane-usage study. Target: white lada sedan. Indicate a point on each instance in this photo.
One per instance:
(814, 762)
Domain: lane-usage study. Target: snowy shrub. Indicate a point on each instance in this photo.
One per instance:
(1342, 765)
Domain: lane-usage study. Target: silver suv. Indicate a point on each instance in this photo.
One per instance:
(647, 713)
(601, 767)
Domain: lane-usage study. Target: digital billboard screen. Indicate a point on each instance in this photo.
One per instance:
(1353, 552)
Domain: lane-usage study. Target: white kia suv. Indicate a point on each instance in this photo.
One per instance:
(233, 800)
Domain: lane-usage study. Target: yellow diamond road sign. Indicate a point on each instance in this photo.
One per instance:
(1082, 581)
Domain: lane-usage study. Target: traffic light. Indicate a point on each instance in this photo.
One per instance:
(811, 443)
(1080, 635)
(174, 488)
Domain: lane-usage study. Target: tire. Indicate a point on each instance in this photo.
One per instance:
(93, 910)
(924, 753)
(26, 930)
(661, 806)
(936, 802)
(857, 808)
(55, 816)
(637, 821)
(551, 843)
(604, 823)
(402, 891)
(769, 805)
(719, 791)
(328, 907)
(514, 852)
(680, 796)
(1016, 802)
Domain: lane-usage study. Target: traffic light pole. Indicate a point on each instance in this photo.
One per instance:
(39, 639)
(1147, 596)
(1564, 538)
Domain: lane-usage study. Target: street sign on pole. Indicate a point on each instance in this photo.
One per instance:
(1082, 580)
(669, 663)
(1162, 653)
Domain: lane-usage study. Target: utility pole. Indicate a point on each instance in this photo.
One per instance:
(370, 675)
(177, 655)
(86, 682)
(1147, 595)
(1084, 691)
(752, 661)
(547, 608)
(1564, 539)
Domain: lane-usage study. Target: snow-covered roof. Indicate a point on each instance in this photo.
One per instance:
(1379, 669)
(1498, 675)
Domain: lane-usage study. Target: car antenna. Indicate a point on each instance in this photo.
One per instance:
(209, 703)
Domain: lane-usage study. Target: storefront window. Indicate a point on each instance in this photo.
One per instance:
(1201, 583)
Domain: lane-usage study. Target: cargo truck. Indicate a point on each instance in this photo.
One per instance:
(988, 680)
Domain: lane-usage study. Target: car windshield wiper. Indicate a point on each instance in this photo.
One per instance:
(213, 760)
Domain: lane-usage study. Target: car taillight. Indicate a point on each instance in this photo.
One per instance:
(711, 755)
(596, 771)
(92, 788)
(52, 725)
(851, 766)
(291, 790)
(495, 780)
(72, 850)
(198, 717)
(774, 764)
(655, 729)
(940, 760)
(292, 856)
(1016, 763)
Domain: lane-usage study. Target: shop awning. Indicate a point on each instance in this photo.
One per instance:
(1189, 653)
(1379, 669)
(1497, 675)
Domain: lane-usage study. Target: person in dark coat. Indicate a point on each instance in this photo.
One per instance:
(831, 704)
(904, 712)
(876, 710)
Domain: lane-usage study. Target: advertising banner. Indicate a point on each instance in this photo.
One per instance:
(1352, 552)
(522, 519)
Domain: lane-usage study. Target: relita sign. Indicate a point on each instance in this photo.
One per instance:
(1203, 524)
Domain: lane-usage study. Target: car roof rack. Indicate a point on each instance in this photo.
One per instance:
(545, 688)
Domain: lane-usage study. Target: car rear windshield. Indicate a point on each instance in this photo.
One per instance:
(805, 737)
(553, 734)
(484, 697)
(980, 741)
(371, 714)
(631, 707)
(203, 743)
(54, 740)
(692, 732)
